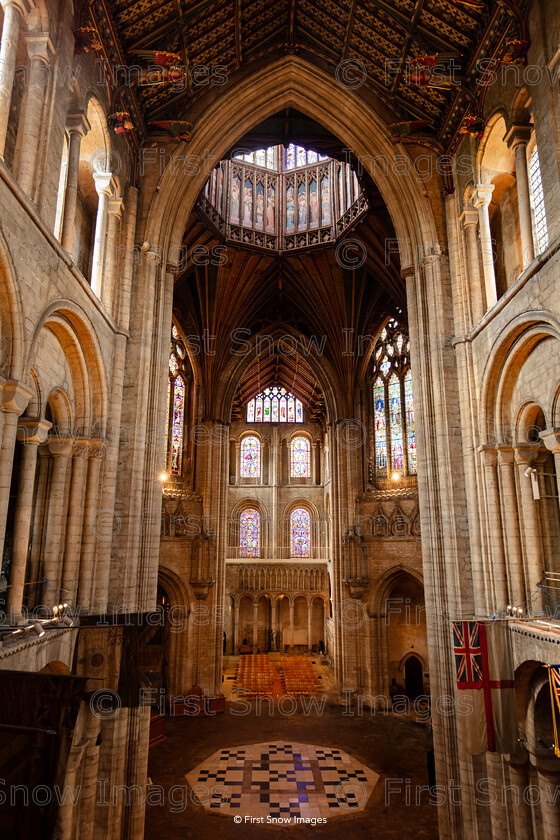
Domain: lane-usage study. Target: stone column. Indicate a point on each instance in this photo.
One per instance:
(77, 127)
(89, 530)
(309, 623)
(8, 52)
(255, 626)
(235, 625)
(496, 577)
(518, 137)
(510, 514)
(549, 784)
(14, 399)
(89, 784)
(40, 51)
(31, 433)
(291, 623)
(114, 214)
(481, 200)
(317, 464)
(61, 452)
(469, 217)
(520, 808)
(525, 457)
(75, 521)
(103, 185)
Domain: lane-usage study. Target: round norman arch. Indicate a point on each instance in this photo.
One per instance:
(510, 349)
(75, 332)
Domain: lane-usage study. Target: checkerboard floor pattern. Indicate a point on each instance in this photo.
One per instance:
(282, 779)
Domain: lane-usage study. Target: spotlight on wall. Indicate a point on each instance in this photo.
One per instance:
(38, 628)
(396, 476)
(66, 620)
(163, 477)
(529, 472)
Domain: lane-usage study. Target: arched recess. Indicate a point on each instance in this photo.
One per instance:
(397, 605)
(11, 331)
(510, 349)
(290, 81)
(95, 157)
(495, 164)
(234, 527)
(176, 646)
(76, 336)
(285, 527)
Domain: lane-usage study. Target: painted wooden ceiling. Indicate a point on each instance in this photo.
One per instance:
(376, 34)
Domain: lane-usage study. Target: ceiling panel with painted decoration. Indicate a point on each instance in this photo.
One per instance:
(381, 36)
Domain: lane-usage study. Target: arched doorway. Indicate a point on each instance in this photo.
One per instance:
(413, 677)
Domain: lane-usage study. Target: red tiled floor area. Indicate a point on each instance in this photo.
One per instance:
(395, 748)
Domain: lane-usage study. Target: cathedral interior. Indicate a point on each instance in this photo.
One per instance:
(280, 418)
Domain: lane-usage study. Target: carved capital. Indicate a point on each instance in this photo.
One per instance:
(104, 182)
(77, 123)
(115, 206)
(469, 217)
(201, 588)
(96, 449)
(488, 455)
(60, 446)
(506, 456)
(40, 46)
(80, 449)
(527, 455)
(551, 439)
(482, 195)
(33, 432)
(357, 586)
(519, 135)
(15, 396)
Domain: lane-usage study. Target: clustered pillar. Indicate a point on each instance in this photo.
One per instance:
(77, 127)
(8, 52)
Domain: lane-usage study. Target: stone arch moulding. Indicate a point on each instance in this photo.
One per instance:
(290, 81)
(68, 320)
(383, 585)
(237, 366)
(11, 318)
(408, 655)
(510, 349)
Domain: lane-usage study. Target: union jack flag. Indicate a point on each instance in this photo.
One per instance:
(555, 683)
(468, 654)
(484, 669)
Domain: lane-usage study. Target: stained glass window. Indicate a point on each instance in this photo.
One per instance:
(300, 458)
(300, 533)
(380, 428)
(176, 404)
(409, 418)
(262, 157)
(282, 197)
(250, 533)
(393, 406)
(250, 457)
(395, 412)
(274, 405)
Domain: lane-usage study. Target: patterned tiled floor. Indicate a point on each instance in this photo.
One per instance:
(282, 780)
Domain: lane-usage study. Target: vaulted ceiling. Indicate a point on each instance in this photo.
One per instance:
(376, 35)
